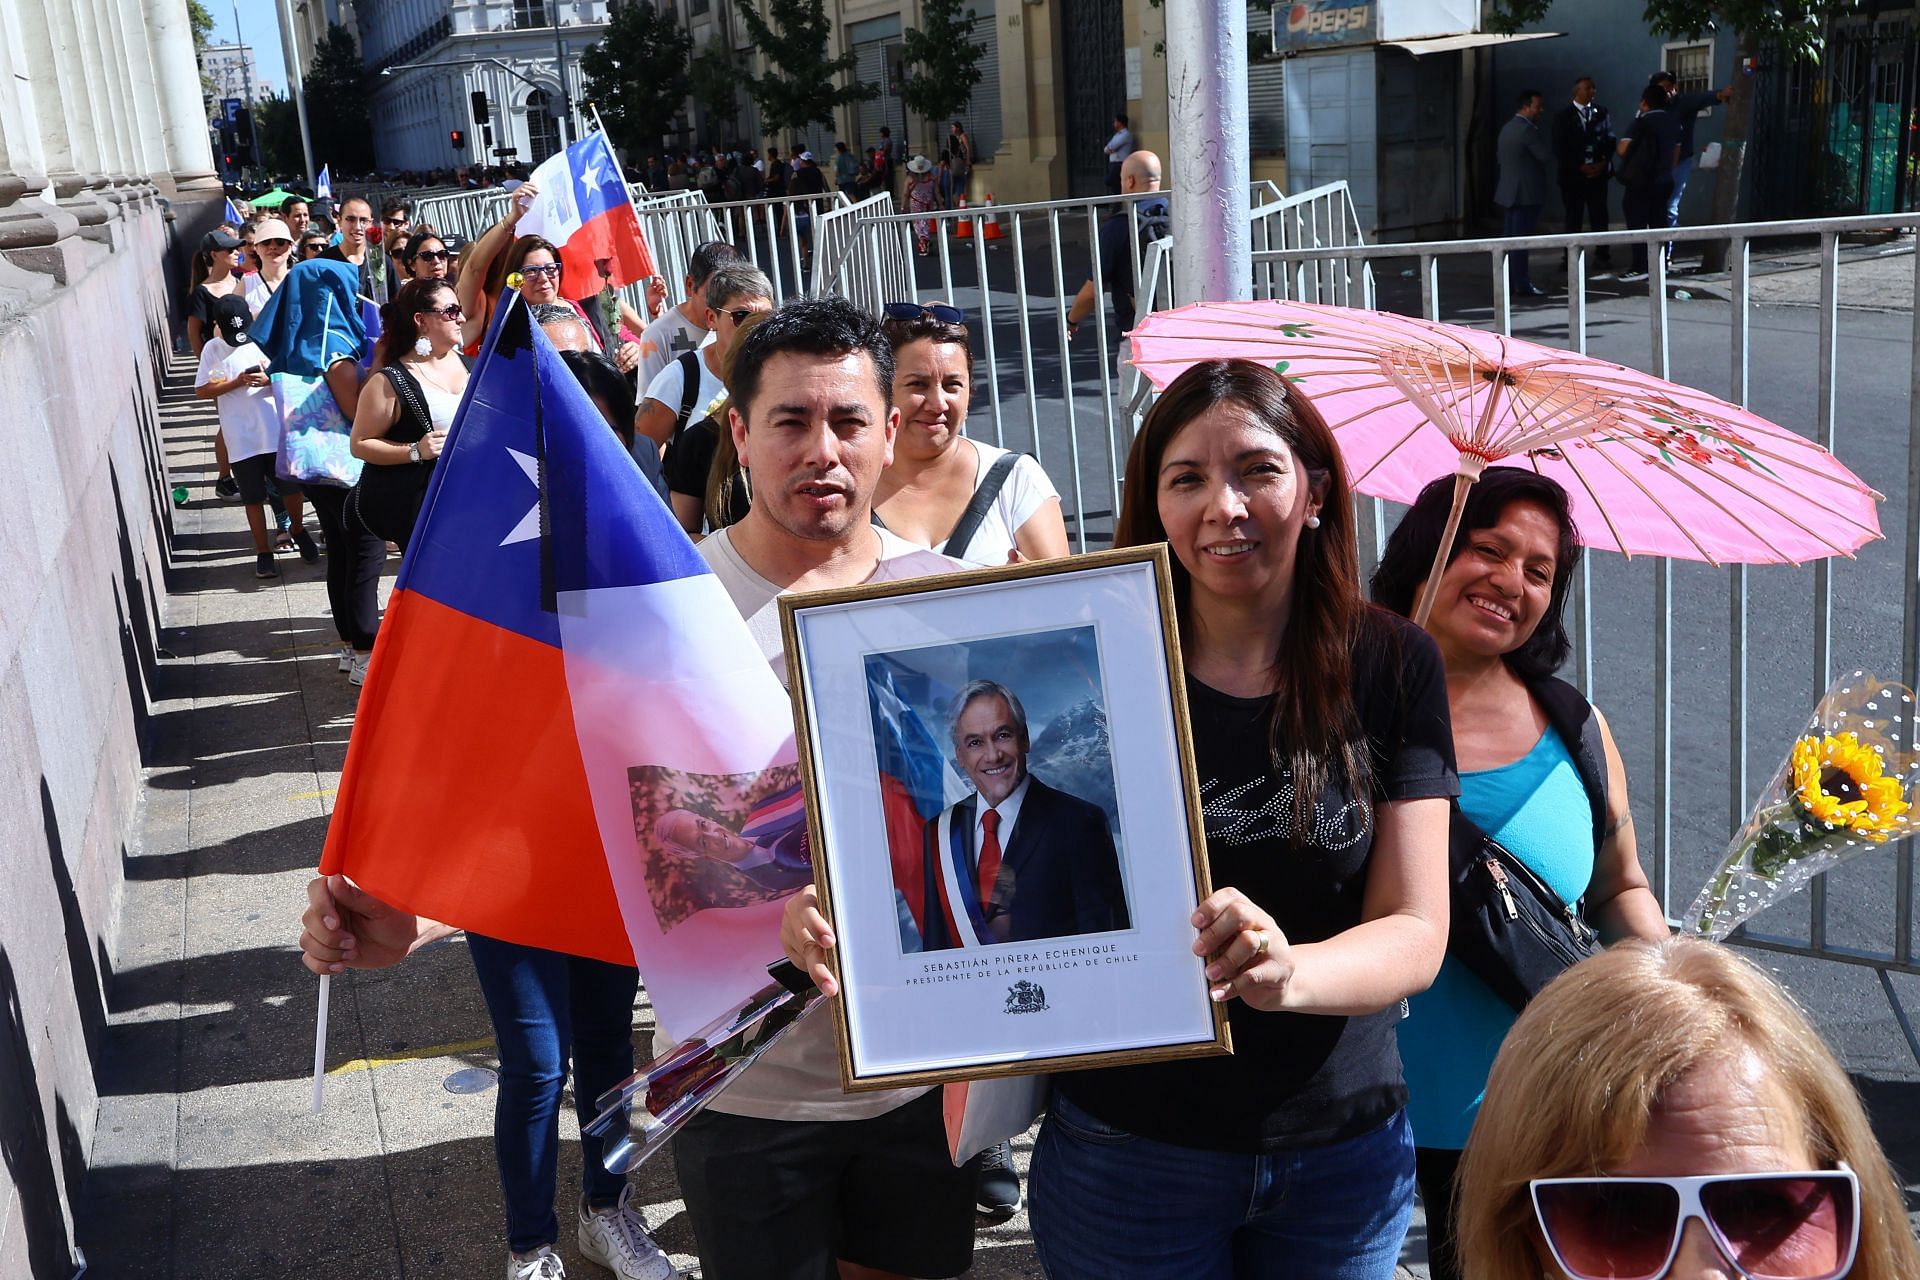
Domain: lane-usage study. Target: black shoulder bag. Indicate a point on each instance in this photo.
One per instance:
(1506, 925)
(975, 512)
(386, 499)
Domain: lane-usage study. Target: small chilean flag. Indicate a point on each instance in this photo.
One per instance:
(552, 636)
(583, 207)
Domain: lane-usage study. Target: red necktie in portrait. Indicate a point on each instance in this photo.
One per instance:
(989, 856)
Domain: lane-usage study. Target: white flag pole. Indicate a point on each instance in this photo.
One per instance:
(320, 1045)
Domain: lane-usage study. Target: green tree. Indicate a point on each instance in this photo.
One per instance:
(637, 75)
(799, 87)
(714, 79)
(276, 122)
(1797, 27)
(943, 65)
(337, 117)
(200, 22)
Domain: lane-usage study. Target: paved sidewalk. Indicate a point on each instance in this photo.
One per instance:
(209, 1162)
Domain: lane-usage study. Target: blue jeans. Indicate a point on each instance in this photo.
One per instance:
(1682, 170)
(547, 1007)
(1522, 220)
(1105, 1203)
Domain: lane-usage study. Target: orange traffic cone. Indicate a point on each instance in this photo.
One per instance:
(993, 221)
(965, 224)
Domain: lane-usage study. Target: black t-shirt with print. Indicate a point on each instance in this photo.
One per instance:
(1295, 1079)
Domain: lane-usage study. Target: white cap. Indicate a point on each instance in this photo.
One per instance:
(807, 156)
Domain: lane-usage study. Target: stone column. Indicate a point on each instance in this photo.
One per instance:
(133, 73)
(149, 146)
(66, 107)
(177, 79)
(31, 230)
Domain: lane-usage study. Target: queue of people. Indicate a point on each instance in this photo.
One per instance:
(1347, 760)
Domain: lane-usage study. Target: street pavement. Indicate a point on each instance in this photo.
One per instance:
(208, 1161)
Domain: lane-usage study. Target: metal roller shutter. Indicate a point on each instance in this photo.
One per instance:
(983, 112)
(1266, 90)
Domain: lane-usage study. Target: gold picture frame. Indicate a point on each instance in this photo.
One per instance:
(1084, 624)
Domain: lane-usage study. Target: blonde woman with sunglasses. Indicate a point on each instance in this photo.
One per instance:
(1664, 1109)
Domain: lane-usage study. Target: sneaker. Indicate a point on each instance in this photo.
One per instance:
(264, 567)
(308, 551)
(617, 1239)
(227, 487)
(1631, 277)
(997, 1189)
(545, 1264)
(357, 668)
(346, 658)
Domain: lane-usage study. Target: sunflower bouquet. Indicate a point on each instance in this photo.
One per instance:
(1846, 788)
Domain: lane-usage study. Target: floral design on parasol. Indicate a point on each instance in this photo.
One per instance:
(1652, 467)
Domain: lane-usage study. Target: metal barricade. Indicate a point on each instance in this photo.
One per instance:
(778, 234)
(1889, 939)
(1062, 395)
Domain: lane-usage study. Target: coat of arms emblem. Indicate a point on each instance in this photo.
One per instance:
(1026, 997)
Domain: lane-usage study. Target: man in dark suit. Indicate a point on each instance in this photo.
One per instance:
(1583, 149)
(1525, 161)
(1018, 860)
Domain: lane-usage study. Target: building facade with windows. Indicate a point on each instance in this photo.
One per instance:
(1053, 75)
(233, 73)
(427, 60)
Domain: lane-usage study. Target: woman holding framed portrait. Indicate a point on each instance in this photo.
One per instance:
(1325, 760)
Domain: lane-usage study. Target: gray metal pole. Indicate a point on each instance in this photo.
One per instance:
(569, 127)
(1211, 160)
(296, 83)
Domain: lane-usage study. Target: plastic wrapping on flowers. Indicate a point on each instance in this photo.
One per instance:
(1846, 788)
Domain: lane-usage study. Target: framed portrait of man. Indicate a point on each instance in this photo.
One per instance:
(1004, 819)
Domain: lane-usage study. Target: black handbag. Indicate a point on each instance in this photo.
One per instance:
(386, 499)
(1505, 924)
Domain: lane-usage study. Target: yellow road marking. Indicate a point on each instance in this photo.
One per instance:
(313, 795)
(436, 1051)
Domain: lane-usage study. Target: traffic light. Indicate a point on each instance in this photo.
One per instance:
(457, 140)
(243, 130)
(481, 112)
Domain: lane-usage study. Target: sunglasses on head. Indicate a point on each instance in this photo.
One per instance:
(541, 269)
(452, 311)
(431, 255)
(1772, 1226)
(913, 311)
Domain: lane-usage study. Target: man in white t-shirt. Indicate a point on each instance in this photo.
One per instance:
(683, 328)
(784, 1173)
(734, 292)
(233, 374)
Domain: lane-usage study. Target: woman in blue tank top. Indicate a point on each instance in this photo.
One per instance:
(1497, 618)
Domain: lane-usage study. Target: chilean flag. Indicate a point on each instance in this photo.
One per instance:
(583, 207)
(552, 637)
(916, 782)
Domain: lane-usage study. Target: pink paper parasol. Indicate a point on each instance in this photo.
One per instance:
(1653, 468)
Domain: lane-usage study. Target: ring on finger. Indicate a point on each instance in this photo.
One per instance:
(1260, 942)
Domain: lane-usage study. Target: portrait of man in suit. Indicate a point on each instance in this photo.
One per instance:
(1017, 860)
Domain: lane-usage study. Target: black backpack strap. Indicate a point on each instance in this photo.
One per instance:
(1574, 719)
(689, 390)
(977, 506)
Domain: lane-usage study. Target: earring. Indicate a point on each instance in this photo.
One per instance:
(1313, 522)
(421, 347)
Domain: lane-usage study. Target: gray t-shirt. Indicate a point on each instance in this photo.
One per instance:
(799, 1078)
(664, 341)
